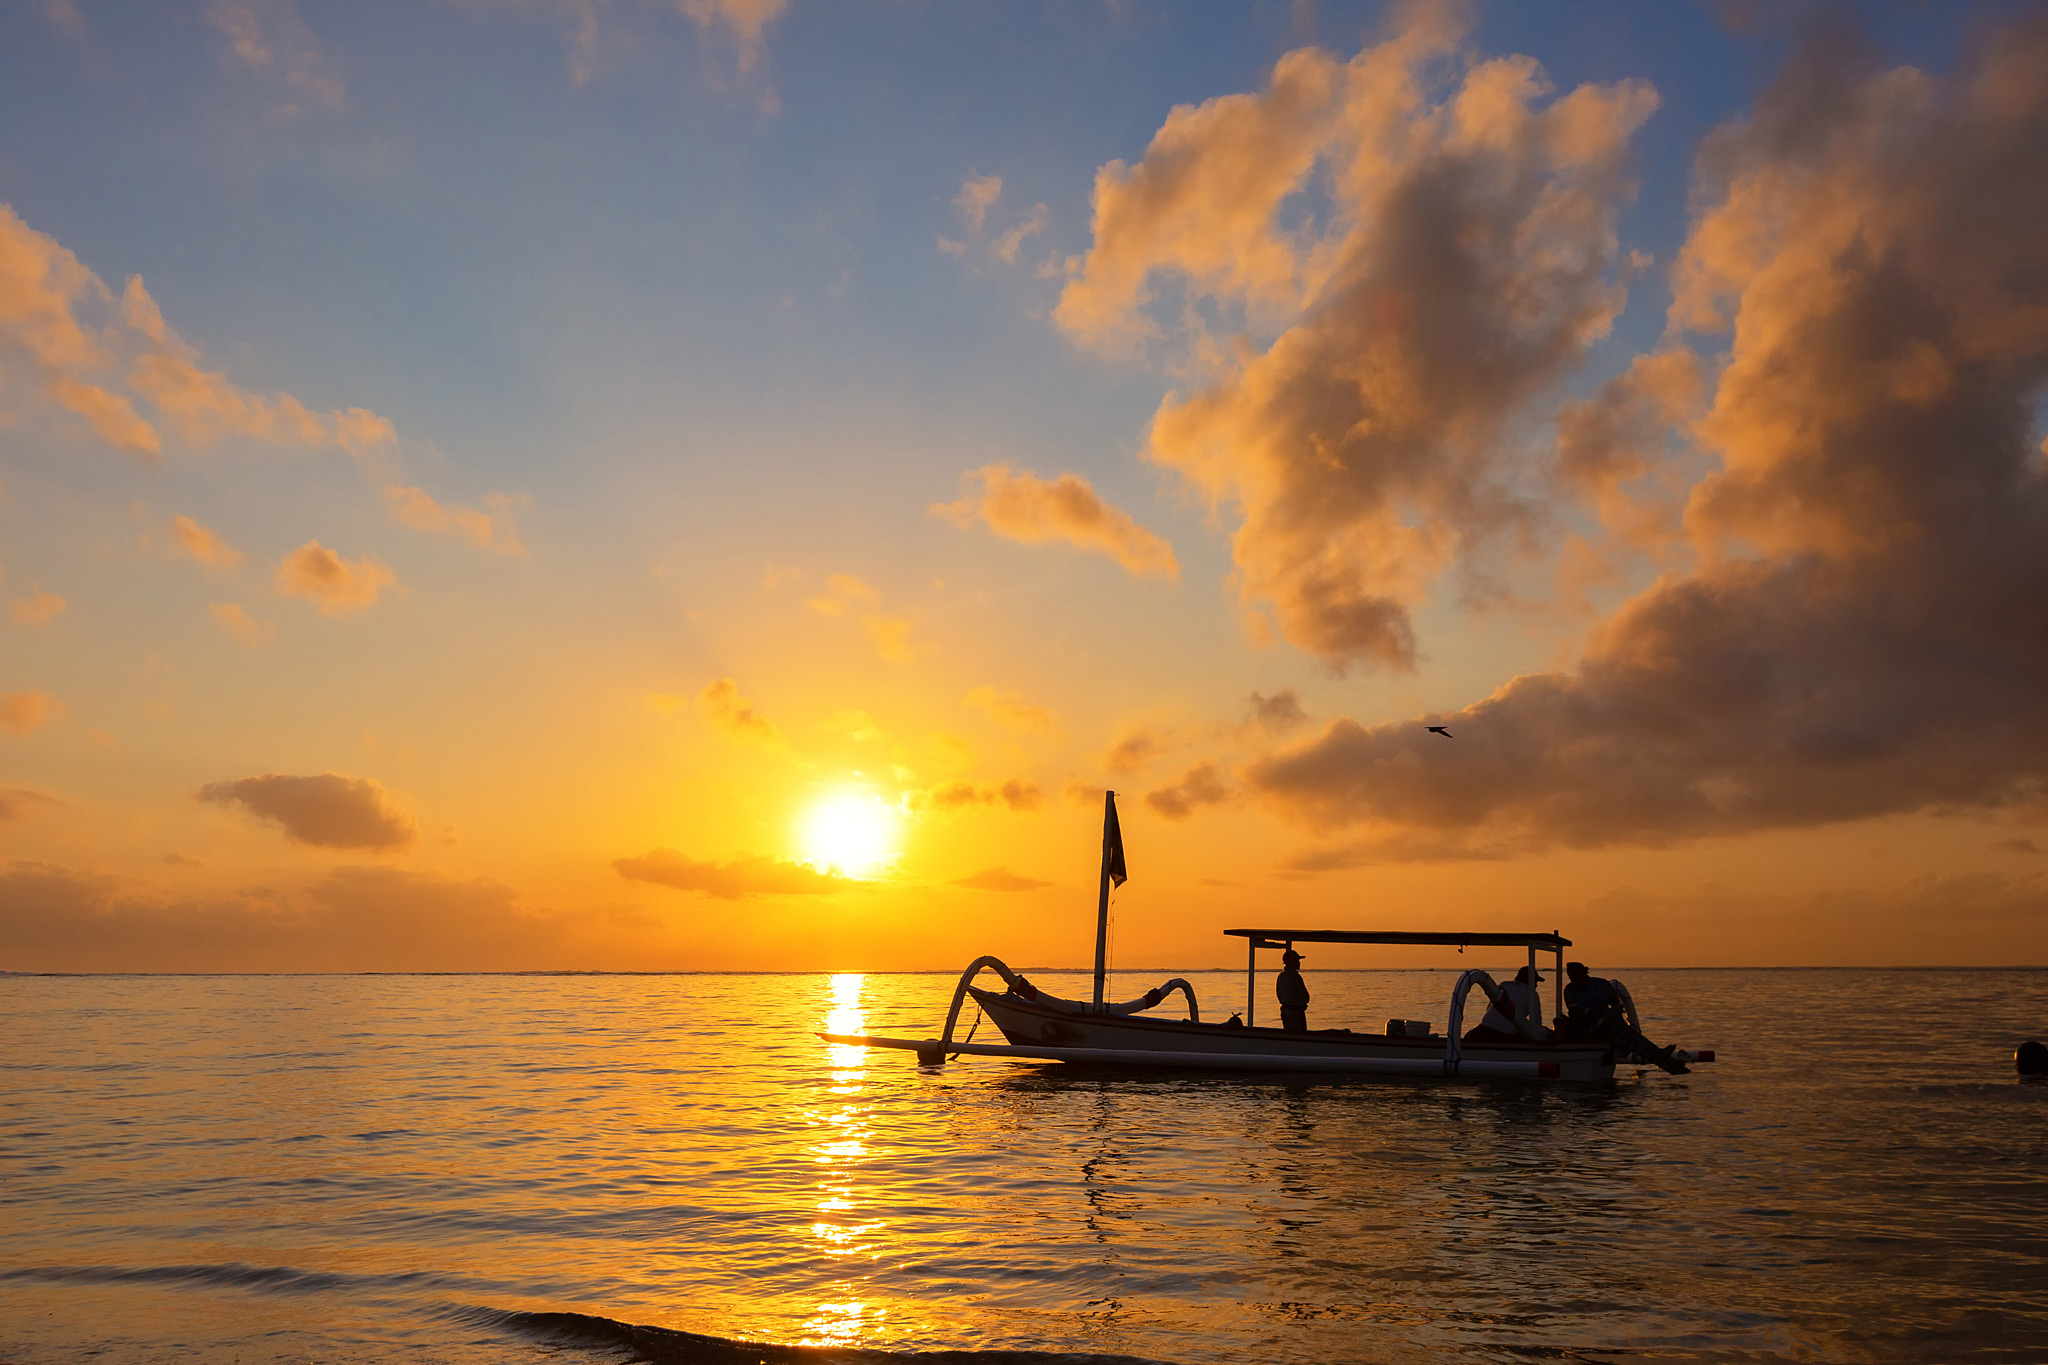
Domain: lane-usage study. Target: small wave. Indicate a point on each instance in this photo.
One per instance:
(667, 1346)
(274, 1279)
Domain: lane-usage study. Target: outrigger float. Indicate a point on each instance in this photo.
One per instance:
(1041, 1027)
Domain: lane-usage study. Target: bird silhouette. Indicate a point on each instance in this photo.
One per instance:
(1439, 730)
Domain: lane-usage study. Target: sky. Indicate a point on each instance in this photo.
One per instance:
(729, 484)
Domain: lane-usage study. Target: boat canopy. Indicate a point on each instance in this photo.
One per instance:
(1279, 938)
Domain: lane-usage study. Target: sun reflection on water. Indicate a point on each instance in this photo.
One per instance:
(838, 1231)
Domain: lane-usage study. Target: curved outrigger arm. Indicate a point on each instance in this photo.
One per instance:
(1021, 985)
(1454, 1028)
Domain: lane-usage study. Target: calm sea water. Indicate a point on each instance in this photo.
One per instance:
(433, 1168)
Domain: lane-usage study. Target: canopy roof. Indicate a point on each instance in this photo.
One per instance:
(1275, 938)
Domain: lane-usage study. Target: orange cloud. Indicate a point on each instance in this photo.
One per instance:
(735, 715)
(1016, 793)
(17, 803)
(335, 586)
(327, 810)
(1466, 261)
(204, 545)
(1201, 785)
(742, 877)
(84, 346)
(1000, 879)
(243, 628)
(1026, 508)
(845, 594)
(489, 530)
(1858, 638)
(1010, 708)
(22, 712)
(39, 608)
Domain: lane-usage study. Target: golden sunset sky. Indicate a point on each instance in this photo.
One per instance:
(729, 483)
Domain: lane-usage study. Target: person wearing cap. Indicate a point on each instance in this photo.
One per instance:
(1517, 998)
(1293, 993)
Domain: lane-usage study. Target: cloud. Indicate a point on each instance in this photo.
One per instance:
(177, 859)
(1024, 507)
(1464, 262)
(1137, 747)
(22, 712)
(328, 810)
(335, 586)
(735, 715)
(267, 37)
(744, 23)
(1006, 247)
(742, 877)
(1201, 785)
(84, 346)
(492, 530)
(1278, 713)
(56, 918)
(1000, 879)
(18, 803)
(242, 628)
(1016, 793)
(1010, 708)
(978, 194)
(204, 545)
(1859, 636)
(39, 608)
(844, 595)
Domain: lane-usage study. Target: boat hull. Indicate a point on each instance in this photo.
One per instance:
(1031, 1024)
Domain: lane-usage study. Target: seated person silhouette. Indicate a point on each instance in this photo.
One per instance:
(1517, 997)
(1593, 1013)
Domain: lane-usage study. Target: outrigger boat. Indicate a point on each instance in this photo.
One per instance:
(1040, 1026)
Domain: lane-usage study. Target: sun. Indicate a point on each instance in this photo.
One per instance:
(852, 831)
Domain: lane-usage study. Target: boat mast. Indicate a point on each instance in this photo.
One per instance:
(1112, 869)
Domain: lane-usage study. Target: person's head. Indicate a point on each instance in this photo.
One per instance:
(1575, 970)
(1291, 958)
(1529, 975)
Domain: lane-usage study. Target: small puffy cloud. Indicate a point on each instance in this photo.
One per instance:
(1137, 747)
(1000, 879)
(242, 628)
(1023, 507)
(735, 715)
(846, 595)
(334, 585)
(490, 530)
(176, 859)
(204, 544)
(326, 810)
(1462, 261)
(843, 593)
(38, 608)
(22, 712)
(1010, 708)
(742, 877)
(1010, 242)
(267, 38)
(1278, 713)
(1201, 785)
(978, 194)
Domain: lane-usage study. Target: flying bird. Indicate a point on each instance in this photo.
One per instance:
(1439, 730)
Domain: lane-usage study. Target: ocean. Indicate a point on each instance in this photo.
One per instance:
(569, 1168)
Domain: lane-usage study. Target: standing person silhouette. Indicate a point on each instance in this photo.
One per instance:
(1293, 993)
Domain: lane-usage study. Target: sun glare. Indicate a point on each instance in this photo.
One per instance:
(854, 832)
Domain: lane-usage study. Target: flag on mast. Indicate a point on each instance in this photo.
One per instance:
(1112, 842)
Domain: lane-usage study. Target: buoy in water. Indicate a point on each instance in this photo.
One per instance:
(2032, 1058)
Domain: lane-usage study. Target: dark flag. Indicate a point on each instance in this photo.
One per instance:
(1112, 842)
